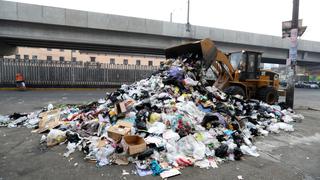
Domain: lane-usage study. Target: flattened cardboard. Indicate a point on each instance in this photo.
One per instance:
(49, 120)
(169, 173)
(102, 143)
(120, 129)
(121, 160)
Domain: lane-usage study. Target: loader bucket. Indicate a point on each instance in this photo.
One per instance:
(204, 50)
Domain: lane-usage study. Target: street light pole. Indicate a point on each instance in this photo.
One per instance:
(291, 63)
(188, 22)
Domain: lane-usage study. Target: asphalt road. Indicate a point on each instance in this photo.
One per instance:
(283, 156)
(27, 101)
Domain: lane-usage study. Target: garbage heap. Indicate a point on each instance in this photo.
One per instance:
(168, 121)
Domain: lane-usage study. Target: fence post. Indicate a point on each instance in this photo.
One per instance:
(72, 72)
(1, 70)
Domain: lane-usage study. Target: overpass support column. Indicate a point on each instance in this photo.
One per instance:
(7, 50)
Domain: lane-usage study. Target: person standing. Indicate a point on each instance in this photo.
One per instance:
(20, 81)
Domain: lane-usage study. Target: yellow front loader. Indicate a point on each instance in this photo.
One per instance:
(237, 73)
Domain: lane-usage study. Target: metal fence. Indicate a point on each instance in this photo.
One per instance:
(41, 73)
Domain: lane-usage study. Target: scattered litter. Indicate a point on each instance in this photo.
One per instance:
(169, 121)
(4, 120)
(71, 148)
(124, 172)
(49, 120)
(55, 137)
(144, 172)
(43, 139)
(121, 160)
(169, 173)
(50, 107)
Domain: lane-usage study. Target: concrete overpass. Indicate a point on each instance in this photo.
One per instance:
(42, 26)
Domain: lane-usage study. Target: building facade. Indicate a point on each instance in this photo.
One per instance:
(86, 56)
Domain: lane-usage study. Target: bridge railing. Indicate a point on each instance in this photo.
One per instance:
(43, 73)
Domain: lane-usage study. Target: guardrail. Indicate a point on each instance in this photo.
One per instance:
(43, 73)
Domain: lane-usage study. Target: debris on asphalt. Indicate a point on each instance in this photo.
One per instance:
(170, 173)
(171, 120)
(4, 120)
(55, 137)
(124, 172)
(43, 139)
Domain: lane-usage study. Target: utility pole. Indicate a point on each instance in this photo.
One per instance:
(171, 17)
(188, 23)
(292, 61)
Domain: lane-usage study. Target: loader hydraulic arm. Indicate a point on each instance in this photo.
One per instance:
(225, 70)
(225, 64)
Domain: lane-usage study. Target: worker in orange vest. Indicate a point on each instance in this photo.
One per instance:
(20, 81)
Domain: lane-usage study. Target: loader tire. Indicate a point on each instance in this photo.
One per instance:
(268, 95)
(235, 90)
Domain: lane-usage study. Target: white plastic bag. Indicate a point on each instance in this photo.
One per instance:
(285, 126)
(71, 148)
(252, 151)
(50, 107)
(103, 154)
(189, 146)
(190, 82)
(157, 128)
(4, 119)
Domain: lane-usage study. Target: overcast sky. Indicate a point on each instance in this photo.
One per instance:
(258, 16)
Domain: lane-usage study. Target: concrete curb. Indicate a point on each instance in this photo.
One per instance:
(306, 108)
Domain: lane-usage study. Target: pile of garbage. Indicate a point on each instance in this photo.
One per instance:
(168, 121)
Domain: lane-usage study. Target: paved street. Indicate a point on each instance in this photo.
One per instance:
(284, 156)
(26, 101)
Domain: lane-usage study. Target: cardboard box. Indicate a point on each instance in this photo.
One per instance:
(120, 129)
(123, 106)
(134, 144)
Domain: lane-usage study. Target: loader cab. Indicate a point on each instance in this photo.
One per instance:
(247, 64)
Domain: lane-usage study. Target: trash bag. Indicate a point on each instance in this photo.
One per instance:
(55, 137)
(73, 137)
(71, 147)
(147, 153)
(157, 128)
(237, 153)
(221, 151)
(103, 154)
(189, 146)
(141, 120)
(210, 120)
(252, 151)
(4, 119)
(154, 117)
(17, 115)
